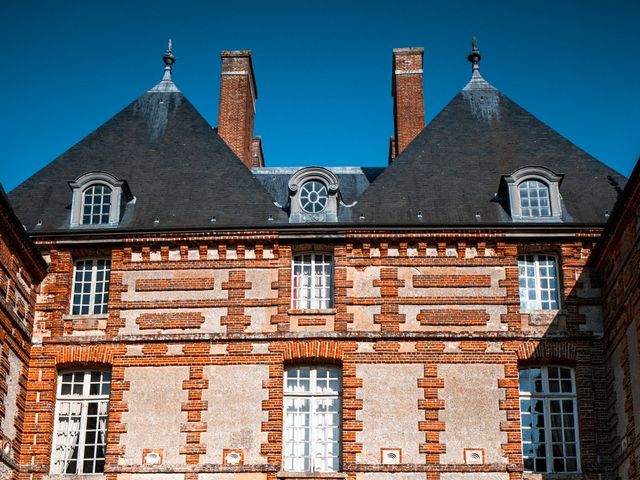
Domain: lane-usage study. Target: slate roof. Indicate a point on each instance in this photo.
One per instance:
(453, 168)
(177, 167)
(183, 174)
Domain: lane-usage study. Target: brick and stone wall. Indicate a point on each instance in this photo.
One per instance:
(427, 330)
(21, 270)
(618, 262)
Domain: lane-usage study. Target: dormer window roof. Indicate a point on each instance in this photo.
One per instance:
(98, 200)
(534, 194)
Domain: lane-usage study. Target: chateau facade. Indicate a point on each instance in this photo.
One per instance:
(202, 316)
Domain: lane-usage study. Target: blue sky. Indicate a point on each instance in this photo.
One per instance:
(323, 69)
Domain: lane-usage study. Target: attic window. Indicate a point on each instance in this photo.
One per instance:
(313, 196)
(98, 198)
(534, 194)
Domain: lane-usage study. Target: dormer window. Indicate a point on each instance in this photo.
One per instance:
(98, 200)
(313, 196)
(534, 194)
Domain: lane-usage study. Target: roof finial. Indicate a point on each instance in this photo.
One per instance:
(169, 60)
(474, 57)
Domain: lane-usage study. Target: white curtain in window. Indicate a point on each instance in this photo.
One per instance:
(69, 425)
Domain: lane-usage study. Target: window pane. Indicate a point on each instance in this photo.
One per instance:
(96, 204)
(548, 419)
(534, 199)
(80, 430)
(538, 282)
(91, 287)
(312, 425)
(312, 281)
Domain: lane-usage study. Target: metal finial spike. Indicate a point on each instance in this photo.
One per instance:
(474, 57)
(169, 59)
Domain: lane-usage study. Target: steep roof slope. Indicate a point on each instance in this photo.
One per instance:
(177, 167)
(453, 168)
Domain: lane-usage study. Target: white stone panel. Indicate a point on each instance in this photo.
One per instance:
(261, 319)
(390, 414)
(261, 280)
(234, 415)
(471, 413)
(363, 318)
(593, 318)
(363, 282)
(154, 415)
(11, 397)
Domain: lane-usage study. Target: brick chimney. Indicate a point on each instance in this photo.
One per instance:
(238, 95)
(408, 98)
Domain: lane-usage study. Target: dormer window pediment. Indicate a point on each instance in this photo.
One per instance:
(534, 194)
(98, 200)
(313, 196)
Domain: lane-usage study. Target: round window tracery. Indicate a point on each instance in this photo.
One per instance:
(313, 196)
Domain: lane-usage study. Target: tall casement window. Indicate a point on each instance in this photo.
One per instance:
(549, 419)
(534, 199)
(312, 406)
(91, 287)
(538, 282)
(312, 281)
(96, 205)
(80, 434)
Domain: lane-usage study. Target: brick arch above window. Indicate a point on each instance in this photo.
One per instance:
(78, 356)
(328, 351)
(545, 352)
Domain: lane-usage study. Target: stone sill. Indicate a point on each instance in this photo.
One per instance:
(313, 311)
(67, 476)
(552, 476)
(103, 316)
(309, 475)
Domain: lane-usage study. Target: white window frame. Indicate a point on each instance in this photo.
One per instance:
(299, 292)
(93, 287)
(546, 397)
(60, 458)
(107, 190)
(538, 281)
(539, 174)
(119, 191)
(315, 396)
(538, 186)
